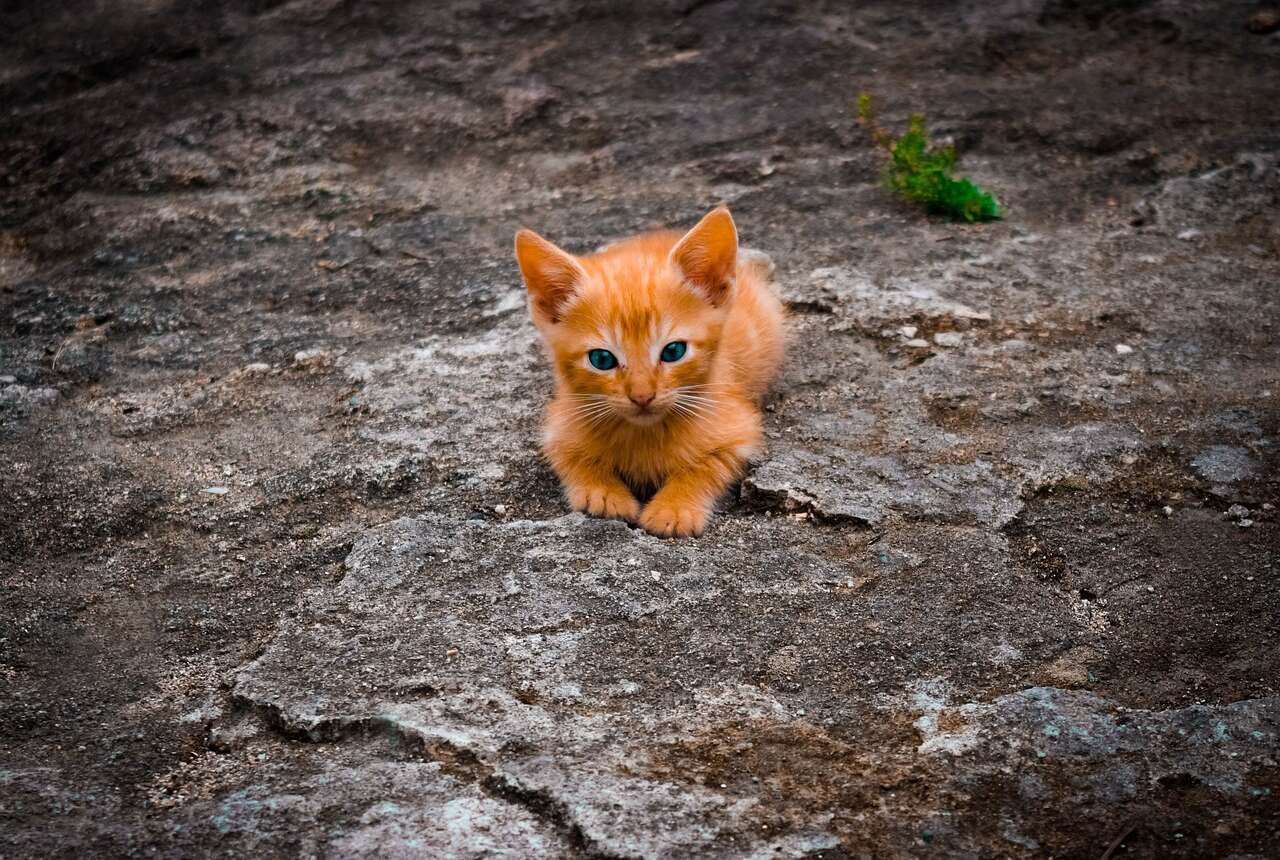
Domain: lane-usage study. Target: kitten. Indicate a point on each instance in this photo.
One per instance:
(662, 346)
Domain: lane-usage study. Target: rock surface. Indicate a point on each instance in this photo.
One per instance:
(283, 573)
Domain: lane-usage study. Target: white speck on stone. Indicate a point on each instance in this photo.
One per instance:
(216, 491)
(656, 574)
(908, 331)
(1123, 349)
(1188, 235)
(500, 509)
(917, 343)
(1245, 523)
(1168, 511)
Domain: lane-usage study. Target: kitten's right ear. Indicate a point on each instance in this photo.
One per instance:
(550, 274)
(707, 255)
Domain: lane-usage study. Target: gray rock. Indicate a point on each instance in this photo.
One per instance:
(500, 642)
(942, 617)
(1224, 464)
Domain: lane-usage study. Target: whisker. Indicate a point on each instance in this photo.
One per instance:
(694, 408)
(591, 410)
(586, 407)
(693, 398)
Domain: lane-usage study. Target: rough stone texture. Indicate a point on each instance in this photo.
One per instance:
(283, 574)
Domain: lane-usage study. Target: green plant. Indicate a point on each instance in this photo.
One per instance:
(922, 174)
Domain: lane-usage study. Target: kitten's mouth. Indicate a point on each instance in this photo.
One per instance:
(645, 415)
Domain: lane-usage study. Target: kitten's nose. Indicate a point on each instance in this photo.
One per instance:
(641, 400)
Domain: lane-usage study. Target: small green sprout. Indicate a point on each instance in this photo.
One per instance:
(922, 174)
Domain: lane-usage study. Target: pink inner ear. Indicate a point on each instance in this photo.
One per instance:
(708, 254)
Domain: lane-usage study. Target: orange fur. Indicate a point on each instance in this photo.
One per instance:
(684, 429)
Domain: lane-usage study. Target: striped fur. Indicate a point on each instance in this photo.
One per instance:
(693, 438)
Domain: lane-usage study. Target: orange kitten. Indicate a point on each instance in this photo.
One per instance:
(662, 347)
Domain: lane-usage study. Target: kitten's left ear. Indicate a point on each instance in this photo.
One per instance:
(708, 255)
(550, 274)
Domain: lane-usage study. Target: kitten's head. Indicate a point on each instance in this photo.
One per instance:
(633, 330)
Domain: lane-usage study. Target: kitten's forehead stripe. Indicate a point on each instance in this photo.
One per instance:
(633, 301)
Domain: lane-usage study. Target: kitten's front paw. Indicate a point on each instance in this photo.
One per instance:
(602, 502)
(670, 520)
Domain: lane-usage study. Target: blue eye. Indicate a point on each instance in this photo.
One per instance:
(602, 359)
(674, 351)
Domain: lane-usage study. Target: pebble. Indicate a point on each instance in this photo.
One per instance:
(8, 380)
(1236, 512)
(948, 338)
(258, 367)
(216, 491)
(1244, 523)
(917, 343)
(1188, 235)
(500, 509)
(1168, 511)
(656, 574)
(313, 358)
(1123, 348)
(908, 331)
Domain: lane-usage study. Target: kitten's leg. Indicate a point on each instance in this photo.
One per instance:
(594, 488)
(683, 504)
